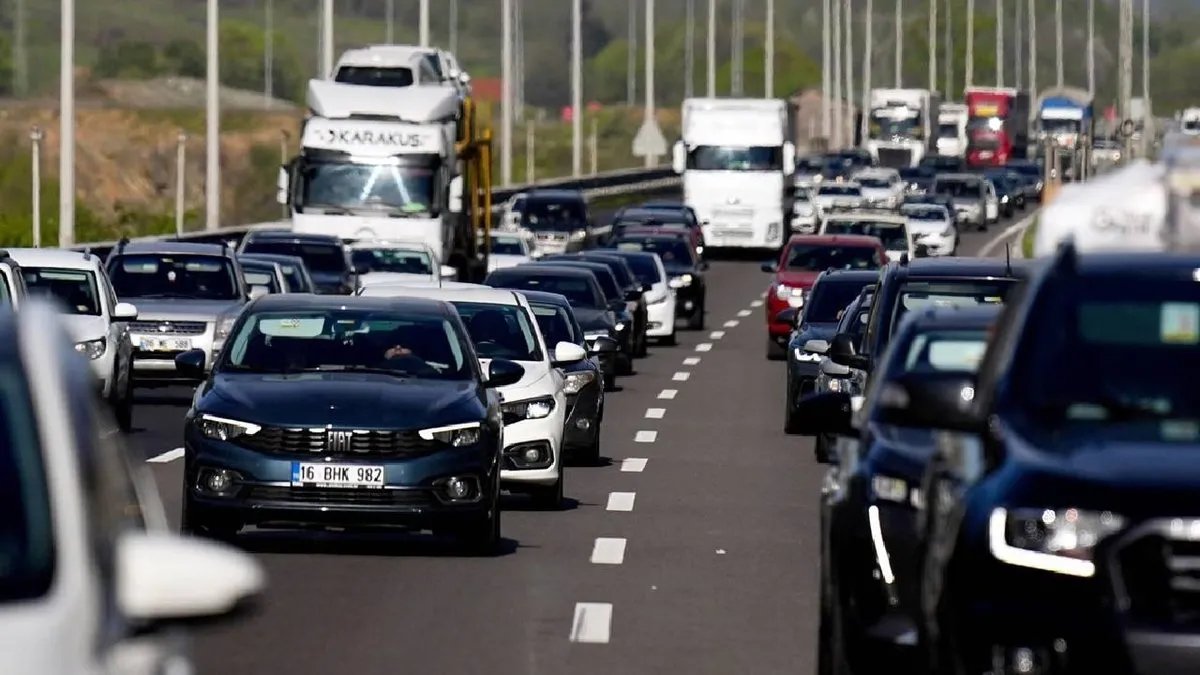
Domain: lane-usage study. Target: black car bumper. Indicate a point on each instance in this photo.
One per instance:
(583, 419)
(262, 492)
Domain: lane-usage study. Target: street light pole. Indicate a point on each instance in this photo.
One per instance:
(576, 87)
(66, 155)
(506, 91)
(899, 42)
(838, 104)
(390, 21)
(868, 56)
(826, 70)
(326, 38)
(424, 23)
(649, 113)
(711, 64)
(1091, 47)
(970, 76)
(1018, 44)
(454, 28)
(212, 132)
(689, 51)
(849, 46)
(769, 67)
(933, 36)
(1031, 14)
(180, 180)
(36, 136)
(999, 43)
(269, 53)
(1058, 40)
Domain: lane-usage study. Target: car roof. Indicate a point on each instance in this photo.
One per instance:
(541, 269)
(397, 245)
(281, 258)
(950, 266)
(309, 301)
(867, 276)
(877, 216)
(484, 294)
(294, 237)
(661, 205)
(840, 183)
(258, 262)
(835, 240)
(933, 318)
(960, 176)
(1143, 264)
(648, 212)
(173, 247)
(53, 257)
(629, 254)
(421, 282)
(544, 298)
(579, 262)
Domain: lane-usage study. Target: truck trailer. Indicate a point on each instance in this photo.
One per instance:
(902, 127)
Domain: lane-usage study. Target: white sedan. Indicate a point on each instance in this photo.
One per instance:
(881, 188)
(933, 228)
(381, 262)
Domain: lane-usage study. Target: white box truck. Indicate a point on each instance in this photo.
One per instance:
(902, 127)
(737, 164)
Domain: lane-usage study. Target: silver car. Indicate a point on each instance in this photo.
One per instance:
(188, 296)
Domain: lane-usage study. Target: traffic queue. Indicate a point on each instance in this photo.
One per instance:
(1009, 482)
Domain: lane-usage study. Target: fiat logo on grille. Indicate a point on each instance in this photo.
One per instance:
(164, 327)
(338, 441)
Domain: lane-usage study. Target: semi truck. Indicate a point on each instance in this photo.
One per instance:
(902, 127)
(952, 130)
(394, 161)
(997, 125)
(1065, 116)
(736, 162)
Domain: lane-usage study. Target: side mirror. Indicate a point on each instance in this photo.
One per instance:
(124, 312)
(566, 353)
(257, 292)
(834, 370)
(283, 185)
(770, 266)
(679, 157)
(605, 345)
(816, 346)
(634, 294)
(789, 158)
(787, 316)
(825, 413)
(455, 197)
(448, 272)
(842, 352)
(190, 364)
(502, 373)
(164, 578)
(935, 401)
(646, 288)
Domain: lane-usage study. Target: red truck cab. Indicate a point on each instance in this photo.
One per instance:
(997, 126)
(803, 258)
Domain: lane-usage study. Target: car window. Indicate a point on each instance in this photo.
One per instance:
(821, 257)
(347, 340)
(578, 290)
(150, 275)
(394, 260)
(552, 215)
(893, 235)
(674, 252)
(373, 76)
(27, 552)
(828, 298)
(946, 350)
(500, 331)
(958, 188)
(916, 295)
(75, 290)
(507, 246)
(261, 276)
(555, 324)
(644, 268)
(318, 257)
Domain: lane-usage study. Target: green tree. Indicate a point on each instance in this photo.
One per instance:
(184, 57)
(133, 59)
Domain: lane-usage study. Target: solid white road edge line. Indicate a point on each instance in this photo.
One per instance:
(592, 622)
(645, 437)
(668, 394)
(633, 464)
(168, 456)
(655, 413)
(1008, 233)
(621, 501)
(608, 551)
(681, 376)
(691, 361)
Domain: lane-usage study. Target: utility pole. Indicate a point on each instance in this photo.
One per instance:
(1032, 16)
(999, 43)
(849, 45)
(1148, 122)
(826, 70)
(899, 43)
(454, 28)
(689, 51)
(839, 107)
(269, 54)
(519, 60)
(180, 180)
(933, 40)
(506, 91)
(711, 55)
(390, 21)
(970, 75)
(1018, 44)
(576, 87)
(948, 51)
(769, 66)
(20, 53)
(631, 60)
(212, 128)
(66, 155)
(735, 51)
(868, 57)
(649, 116)
(1125, 74)
(1091, 47)
(424, 23)
(326, 38)
(1058, 40)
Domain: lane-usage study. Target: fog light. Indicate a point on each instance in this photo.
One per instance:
(583, 424)
(218, 481)
(531, 455)
(458, 488)
(688, 305)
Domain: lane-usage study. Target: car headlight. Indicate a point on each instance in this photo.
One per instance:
(223, 428)
(575, 382)
(791, 294)
(579, 235)
(93, 349)
(224, 325)
(620, 326)
(1061, 541)
(681, 281)
(1004, 199)
(530, 409)
(892, 489)
(835, 385)
(456, 435)
(802, 355)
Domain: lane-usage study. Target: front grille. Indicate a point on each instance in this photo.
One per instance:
(361, 442)
(169, 327)
(360, 497)
(1160, 575)
(895, 158)
(551, 236)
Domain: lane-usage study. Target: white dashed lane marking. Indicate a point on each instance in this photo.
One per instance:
(691, 360)
(744, 313)
(592, 622)
(645, 437)
(633, 464)
(704, 347)
(655, 413)
(608, 551)
(716, 335)
(681, 376)
(168, 456)
(621, 501)
(757, 303)
(667, 394)
(732, 323)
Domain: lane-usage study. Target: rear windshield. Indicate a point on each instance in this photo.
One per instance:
(203, 277)
(374, 76)
(317, 257)
(830, 297)
(261, 275)
(578, 290)
(500, 331)
(961, 293)
(675, 253)
(821, 257)
(644, 269)
(73, 289)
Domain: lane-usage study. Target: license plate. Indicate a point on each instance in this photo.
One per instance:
(741, 234)
(336, 475)
(148, 344)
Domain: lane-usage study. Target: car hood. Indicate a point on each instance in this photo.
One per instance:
(797, 278)
(532, 383)
(353, 400)
(967, 201)
(927, 226)
(183, 309)
(83, 327)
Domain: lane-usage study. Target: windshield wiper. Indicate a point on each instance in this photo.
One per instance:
(358, 369)
(329, 209)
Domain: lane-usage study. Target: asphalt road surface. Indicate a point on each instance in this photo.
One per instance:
(693, 550)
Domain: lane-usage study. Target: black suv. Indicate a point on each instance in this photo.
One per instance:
(560, 221)
(323, 255)
(1061, 519)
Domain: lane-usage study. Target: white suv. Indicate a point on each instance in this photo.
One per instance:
(502, 326)
(97, 322)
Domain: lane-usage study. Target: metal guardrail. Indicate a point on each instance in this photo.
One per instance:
(607, 184)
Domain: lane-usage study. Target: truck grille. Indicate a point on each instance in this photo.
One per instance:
(895, 158)
(361, 442)
(169, 327)
(1160, 575)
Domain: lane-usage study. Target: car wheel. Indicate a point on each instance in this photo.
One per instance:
(696, 320)
(775, 351)
(790, 420)
(123, 404)
(831, 648)
(591, 453)
(669, 340)
(550, 497)
(624, 364)
(643, 346)
(482, 537)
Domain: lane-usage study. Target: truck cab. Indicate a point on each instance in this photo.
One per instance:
(997, 126)
(901, 128)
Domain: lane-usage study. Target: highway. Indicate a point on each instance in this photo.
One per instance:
(693, 549)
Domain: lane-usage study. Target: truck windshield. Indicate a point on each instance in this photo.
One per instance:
(1060, 126)
(342, 188)
(721, 158)
(948, 130)
(887, 127)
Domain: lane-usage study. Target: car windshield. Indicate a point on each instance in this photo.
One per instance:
(644, 268)
(926, 214)
(947, 131)
(260, 275)
(916, 295)
(27, 555)
(675, 253)
(347, 340)
(727, 158)
(893, 235)
(507, 246)
(1152, 325)
(821, 257)
(341, 188)
(394, 260)
(959, 188)
(317, 257)
(839, 191)
(552, 215)
(1060, 126)
(829, 297)
(576, 289)
(201, 277)
(937, 351)
(500, 331)
(874, 183)
(650, 218)
(674, 214)
(555, 324)
(73, 289)
(375, 76)
(810, 164)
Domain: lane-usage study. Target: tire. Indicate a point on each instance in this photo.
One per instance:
(589, 455)
(643, 346)
(670, 340)
(624, 364)
(775, 351)
(831, 647)
(482, 537)
(123, 404)
(696, 320)
(790, 419)
(550, 497)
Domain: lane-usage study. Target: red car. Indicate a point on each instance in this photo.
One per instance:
(803, 259)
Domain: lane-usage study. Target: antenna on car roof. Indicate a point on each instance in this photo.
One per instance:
(904, 258)
(1008, 258)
